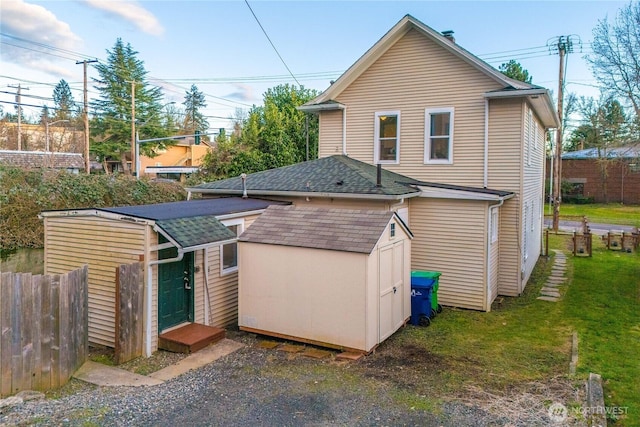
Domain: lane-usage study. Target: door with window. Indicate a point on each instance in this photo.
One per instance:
(175, 289)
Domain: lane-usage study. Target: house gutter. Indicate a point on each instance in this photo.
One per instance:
(488, 296)
(309, 194)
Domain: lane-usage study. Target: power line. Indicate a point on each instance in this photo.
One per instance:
(45, 46)
(272, 45)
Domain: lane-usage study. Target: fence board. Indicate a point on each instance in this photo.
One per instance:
(16, 340)
(129, 312)
(43, 329)
(26, 338)
(6, 303)
(36, 288)
(63, 334)
(55, 330)
(46, 320)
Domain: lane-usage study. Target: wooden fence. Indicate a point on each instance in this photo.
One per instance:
(43, 329)
(129, 314)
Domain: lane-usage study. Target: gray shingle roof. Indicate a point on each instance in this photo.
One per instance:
(333, 229)
(329, 175)
(195, 231)
(39, 159)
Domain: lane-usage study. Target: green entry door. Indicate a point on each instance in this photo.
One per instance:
(175, 290)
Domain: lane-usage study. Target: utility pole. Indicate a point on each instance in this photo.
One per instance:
(563, 45)
(133, 126)
(19, 108)
(85, 117)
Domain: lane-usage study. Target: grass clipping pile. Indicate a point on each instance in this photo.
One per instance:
(530, 403)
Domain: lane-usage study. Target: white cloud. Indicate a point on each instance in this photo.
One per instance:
(132, 12)
(39, 26)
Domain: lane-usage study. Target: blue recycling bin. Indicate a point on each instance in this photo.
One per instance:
(421, 289)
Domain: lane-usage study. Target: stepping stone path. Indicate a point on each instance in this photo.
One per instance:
(549, 291)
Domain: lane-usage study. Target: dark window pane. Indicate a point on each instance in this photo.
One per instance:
(439, 149)
(229, 255)
(440, 124)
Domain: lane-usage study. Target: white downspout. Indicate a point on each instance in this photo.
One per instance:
(486, 144)
(491, 208)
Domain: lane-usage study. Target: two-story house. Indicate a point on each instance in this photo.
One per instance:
(461, 148)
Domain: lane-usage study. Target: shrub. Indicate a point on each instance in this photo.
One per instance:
(26, 193)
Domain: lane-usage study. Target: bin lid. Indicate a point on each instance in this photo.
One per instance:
(428, 274)
(422, 282)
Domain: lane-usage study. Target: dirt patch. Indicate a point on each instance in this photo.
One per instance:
(140, 365)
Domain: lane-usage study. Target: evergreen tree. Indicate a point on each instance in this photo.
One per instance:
(514, 70)
(63, 100)
(45, 115)
(194, 119)
(111, 127)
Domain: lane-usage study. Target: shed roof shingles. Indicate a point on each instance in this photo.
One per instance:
(332, 229)
(195, 231)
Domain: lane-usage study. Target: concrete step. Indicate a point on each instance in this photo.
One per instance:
(550, 299)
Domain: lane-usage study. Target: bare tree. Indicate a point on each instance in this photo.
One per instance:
(615, 61)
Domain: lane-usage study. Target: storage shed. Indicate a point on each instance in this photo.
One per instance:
(188, 250)
(333, 277)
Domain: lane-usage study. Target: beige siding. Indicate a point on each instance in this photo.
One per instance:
(330, 133)
(533, 185)
(411, 76)
(103, 244)
(292, 291)
(505, 173)
(449, 237)
(198, 288)
(222, 291)
(153, 256)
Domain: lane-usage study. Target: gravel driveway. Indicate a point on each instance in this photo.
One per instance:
(255, 386)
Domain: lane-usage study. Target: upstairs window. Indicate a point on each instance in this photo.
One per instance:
(438, 146)
(387, 137)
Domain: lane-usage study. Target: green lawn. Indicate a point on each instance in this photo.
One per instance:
(603, 305)
(613, 213)
(524, 340)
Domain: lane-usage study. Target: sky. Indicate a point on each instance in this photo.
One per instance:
(221, 48)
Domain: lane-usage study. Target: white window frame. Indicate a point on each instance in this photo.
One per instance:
(376, 137)
(494, 225)
(427, 135)
(230, 222)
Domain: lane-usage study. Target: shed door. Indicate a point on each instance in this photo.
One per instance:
(391, 265)
(175, 294)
